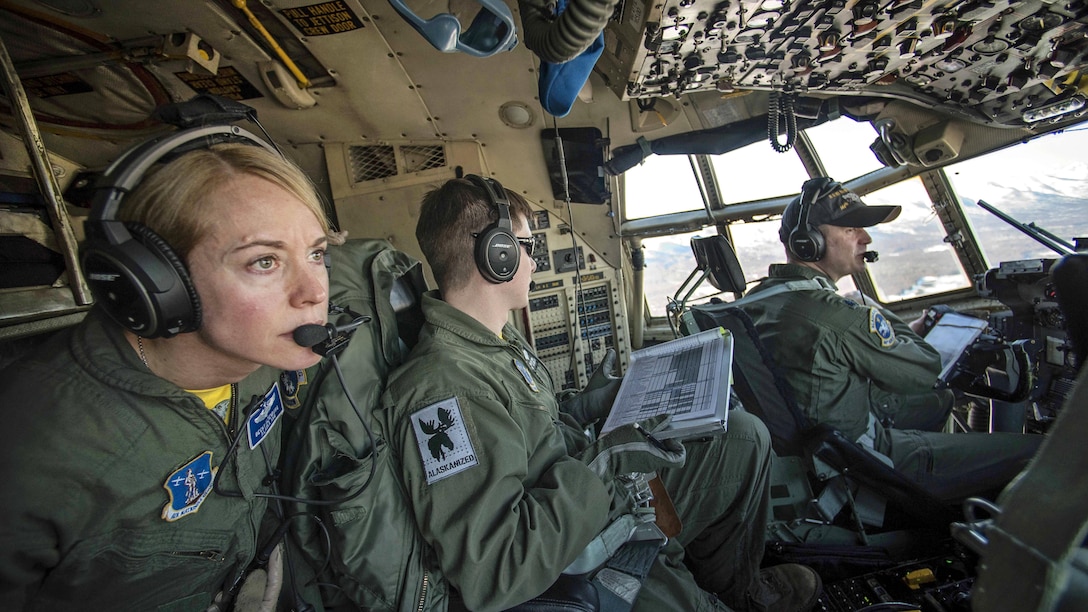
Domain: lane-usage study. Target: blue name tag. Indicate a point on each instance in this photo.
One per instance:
(264, 417)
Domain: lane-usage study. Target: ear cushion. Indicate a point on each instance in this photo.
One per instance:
(142, 284)
(497, 254)
(807, 243)
(179, 308)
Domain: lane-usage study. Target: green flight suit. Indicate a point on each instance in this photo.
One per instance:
(853, 365)
(90, 446)
(497, 491)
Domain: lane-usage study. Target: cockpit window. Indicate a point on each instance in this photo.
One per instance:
(1044, 181)
(668, 262)
(757, 246)
(662, 184)
(915, 261)
(757, 172)
(843, 147)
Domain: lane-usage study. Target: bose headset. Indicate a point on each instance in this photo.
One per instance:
(133, 273)
(497, 250)
(805, 241)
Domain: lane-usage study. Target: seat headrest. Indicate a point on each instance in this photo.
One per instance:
(715, 255)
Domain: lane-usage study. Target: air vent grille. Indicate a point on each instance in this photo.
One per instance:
(418, 158)
(374, 162)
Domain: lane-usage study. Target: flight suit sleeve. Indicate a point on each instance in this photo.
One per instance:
(882, 348)
(495, 494)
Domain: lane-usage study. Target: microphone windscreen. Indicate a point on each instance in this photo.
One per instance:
(310, 335)
(870, 256)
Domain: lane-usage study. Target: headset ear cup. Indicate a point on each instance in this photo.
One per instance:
(179, 308)
(497, 250)
(805, 240)
(497, 254)
(807, 244)
(142, 284)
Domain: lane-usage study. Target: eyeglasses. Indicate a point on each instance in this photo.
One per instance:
(527, 243)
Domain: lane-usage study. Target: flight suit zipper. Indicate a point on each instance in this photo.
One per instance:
(232, 413)
(210, 555)
(423, 591)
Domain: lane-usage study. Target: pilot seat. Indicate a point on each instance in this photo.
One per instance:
(809, 457)
(334, 456)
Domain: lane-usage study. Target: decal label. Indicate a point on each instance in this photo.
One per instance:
(444, 446)
(323, 19)
(188, 487)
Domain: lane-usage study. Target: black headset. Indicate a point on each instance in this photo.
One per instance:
(133, 273)
(497, 250)
(805, 240)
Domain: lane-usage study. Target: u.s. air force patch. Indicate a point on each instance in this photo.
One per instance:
(188, 487)
(444, 445)
(881, 327)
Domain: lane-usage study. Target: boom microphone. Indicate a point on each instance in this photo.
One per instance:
(328, 338)
(870, 256)
(311, 335)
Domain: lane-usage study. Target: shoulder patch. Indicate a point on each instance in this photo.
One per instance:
(881, 327)
(444, 446)
(849, 302)
(188, 487)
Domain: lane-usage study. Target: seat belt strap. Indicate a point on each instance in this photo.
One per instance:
(867, 441)
(607, 543)
(813, 284)
(620, 580)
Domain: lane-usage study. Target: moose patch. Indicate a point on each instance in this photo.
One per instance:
(444, 446)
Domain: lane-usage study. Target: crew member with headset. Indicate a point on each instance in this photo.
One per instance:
(857, 366)
(506, 489)
(137, 449)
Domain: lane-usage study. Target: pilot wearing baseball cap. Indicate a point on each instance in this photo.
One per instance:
(824, 201)
(854, 365)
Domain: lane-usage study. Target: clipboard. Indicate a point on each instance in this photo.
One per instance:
(688, 378)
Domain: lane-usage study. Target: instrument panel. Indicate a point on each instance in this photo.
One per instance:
(576, 311)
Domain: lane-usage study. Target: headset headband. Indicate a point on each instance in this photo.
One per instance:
(123, 175)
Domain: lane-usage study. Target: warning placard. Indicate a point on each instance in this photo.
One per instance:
(55, 85)
(228, 83)
(322, 19)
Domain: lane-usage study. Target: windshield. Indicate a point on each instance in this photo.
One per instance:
(1039, 181)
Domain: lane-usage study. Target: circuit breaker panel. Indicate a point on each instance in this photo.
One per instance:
(576, 308)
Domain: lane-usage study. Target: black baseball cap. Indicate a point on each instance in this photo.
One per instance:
(836, 205)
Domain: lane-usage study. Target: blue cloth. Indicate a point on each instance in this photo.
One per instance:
(560, 83)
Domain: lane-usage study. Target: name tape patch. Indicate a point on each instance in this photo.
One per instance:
(444, 446)
(264, 417)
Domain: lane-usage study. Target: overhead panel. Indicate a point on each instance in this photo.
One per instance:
(991, 60)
